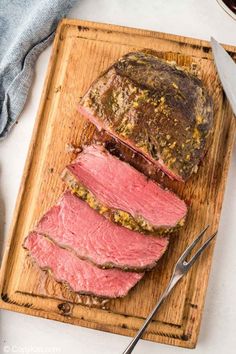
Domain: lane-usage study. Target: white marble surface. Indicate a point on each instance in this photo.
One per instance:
(25, 334)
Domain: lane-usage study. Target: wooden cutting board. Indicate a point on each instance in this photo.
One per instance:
(81, 51)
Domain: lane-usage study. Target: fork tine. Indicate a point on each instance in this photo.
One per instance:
(201, 249)
(193, 244)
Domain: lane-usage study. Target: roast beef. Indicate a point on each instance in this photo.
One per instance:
(156, 108)
(121, 193)
(74, 225)
(81, 276)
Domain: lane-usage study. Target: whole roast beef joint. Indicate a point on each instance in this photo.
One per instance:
(114, 223)
(122, 194)
(156, 108)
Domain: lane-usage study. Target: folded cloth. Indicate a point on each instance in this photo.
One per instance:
(26, 29)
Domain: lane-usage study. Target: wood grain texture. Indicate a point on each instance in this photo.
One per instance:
(81, 51)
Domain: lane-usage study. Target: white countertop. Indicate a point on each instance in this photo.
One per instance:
(26, 334)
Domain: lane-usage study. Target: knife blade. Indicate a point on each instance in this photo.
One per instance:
(226, 69)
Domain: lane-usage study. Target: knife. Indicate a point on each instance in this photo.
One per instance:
(226, 69)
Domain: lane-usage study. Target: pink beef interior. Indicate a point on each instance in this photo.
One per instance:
(118, 185)
(72, 223)
(82, 276)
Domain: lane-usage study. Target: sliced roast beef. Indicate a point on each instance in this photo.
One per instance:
(121, 193)
(81, 276)
(156, 108)
(74, 225)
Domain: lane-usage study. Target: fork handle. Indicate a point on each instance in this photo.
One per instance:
(181, 268)
(139, 334)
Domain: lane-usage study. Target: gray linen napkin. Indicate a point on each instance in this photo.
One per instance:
(26, 29)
